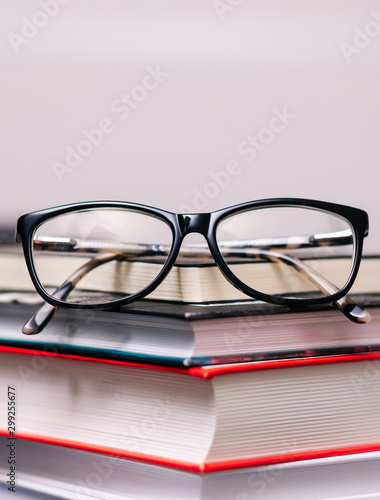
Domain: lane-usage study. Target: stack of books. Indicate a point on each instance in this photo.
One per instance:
(204, 399)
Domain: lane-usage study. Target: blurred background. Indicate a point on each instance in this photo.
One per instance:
(189, 105)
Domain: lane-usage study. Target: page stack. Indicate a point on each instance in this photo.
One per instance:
(201, 399)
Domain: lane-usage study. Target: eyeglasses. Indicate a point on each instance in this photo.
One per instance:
(103, 254)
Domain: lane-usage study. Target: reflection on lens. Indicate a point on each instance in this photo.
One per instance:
(100, 255)
(292, 252)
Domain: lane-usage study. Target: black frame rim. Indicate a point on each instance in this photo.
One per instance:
(207, 225)
(357, 218)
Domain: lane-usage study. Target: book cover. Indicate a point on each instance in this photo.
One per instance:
(192, 334)
(60, 471)
(202, 418)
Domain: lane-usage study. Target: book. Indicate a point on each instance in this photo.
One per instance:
(62, 472)
(203, 418)
(193, 334)
(191, 280)
(7, 237)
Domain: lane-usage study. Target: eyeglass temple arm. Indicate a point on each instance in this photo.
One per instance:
(76, 245)
(336, 238)
(43, 316)
(247, 248)
(346, 305)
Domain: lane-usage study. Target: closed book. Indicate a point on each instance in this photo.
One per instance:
(193, 280)
(69, 473)
(193, 334)
(203, 418)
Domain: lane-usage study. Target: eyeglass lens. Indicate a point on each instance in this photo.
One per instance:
(100, 255)
(292, 252)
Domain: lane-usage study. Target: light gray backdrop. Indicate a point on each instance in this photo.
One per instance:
(189, 105)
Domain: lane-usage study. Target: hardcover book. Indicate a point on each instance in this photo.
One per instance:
(47, 471)
(202, 418)
(191, 280)
(193, 334)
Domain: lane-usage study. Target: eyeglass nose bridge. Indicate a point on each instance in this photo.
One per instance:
(194, 223)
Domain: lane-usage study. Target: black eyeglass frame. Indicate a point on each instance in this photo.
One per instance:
(205, 224)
